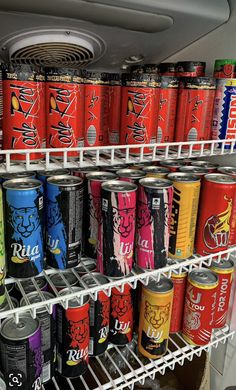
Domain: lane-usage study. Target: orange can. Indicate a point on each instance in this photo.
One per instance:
(154, 320)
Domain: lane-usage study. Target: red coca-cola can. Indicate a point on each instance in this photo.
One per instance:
(179, 281)
(190, 69)
(167, 69)
(212, 167)
(167, 108)
(114, 98)
(96, 108)
(140, 95)
(195, 109)
(224, 269)
(121, 316)
(215, 217)
(23, 110)
(64, 109)
(200, 306)
(172, 165)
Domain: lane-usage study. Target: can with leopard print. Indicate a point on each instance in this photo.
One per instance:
(154, 319)
(200, 306)
(72, 334)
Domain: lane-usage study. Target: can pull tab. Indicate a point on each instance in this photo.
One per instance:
(202, 275)
(21, 325)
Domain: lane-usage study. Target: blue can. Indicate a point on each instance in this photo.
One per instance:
(224, 113)
(64, 214)
(23, 199)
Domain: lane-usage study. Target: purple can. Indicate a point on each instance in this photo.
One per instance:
(21, 359)
(153, 221)
(116, 234)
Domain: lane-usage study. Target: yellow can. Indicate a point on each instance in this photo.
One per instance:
(154, 319)
(184, 214)
(155, 171)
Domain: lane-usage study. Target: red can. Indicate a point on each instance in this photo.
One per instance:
(195, 109)
(121, 316)
(167, 108)
(167, 69)
(73, 335)
(224, 269)
(200, 306)
(172, 165)
(114, 109)
(23, 110)
(212, 168)
(64, 109)
(191, 69)
(140, 96)
(179, 281)
(96, 109)
(218, 195)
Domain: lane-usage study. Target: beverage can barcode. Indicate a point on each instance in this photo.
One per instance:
(91, 135)
(46, 372)
(91, 344)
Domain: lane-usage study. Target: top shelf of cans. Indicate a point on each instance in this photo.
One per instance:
(79, 118)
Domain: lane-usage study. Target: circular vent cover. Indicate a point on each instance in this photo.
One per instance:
(55, 48)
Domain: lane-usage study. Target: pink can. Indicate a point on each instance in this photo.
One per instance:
(153, 222)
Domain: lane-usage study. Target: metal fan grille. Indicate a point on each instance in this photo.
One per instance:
(53, 54)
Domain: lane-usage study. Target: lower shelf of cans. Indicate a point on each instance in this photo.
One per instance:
(122, 367)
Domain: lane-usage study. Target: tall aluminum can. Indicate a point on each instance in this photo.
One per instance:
(215, 217)
(24, 110)
(121, 316)
(73, 335)
(92, 210)
(23, 201)
(200, 306)
(114, 99)
(167, 69)
(21, 356)
(99, 315)
(64, 215)
(116, 240)
(184, 214)
(190, 69)
(2, 252)
(154, 318)
(64, 109)
(224, 269)
(154, 205)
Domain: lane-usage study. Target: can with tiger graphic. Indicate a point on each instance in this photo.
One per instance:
(121, 316)
(154, 319)
(153, 222)
(73, 334)
(200, 306)
(216, 219)
(99, 315)
(116, 236)
(92, 210)
(224, 269)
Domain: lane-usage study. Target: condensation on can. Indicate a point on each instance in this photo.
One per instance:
(195, 110)
(154, 319)
(215, 218)
(184, 214)
(200, 306)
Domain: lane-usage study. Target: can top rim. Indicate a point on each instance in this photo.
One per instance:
(26, 327)
(183, 177)
(59, 281)
(156, 169)
(17, 175)
(54, 172)
(101, 176)
(227, 170)
(163, 286)
(77, 301)
(132, 173)
(223, 264)
(90, 281)
(64, 180)
(204, 163)
(6, 305)
(22, 184)
(203, 276)
(194, 169)
(155, 182)
(34, 297)
(119, 186)
(220, 178)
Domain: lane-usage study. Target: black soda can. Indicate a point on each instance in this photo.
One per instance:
(99, 312)
(48, 332)
(23, 199)
(73, 335)
(21, 358)
(64, 213)
(116, 233)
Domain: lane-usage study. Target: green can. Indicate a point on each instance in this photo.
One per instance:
(2, 253)
(225, 69)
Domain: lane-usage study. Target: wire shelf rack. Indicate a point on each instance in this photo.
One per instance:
(122, 367)
(144, 276)
(111, 155)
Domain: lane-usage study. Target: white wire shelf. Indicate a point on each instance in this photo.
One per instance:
(144, 276)
(113, 155)
(106, 372)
